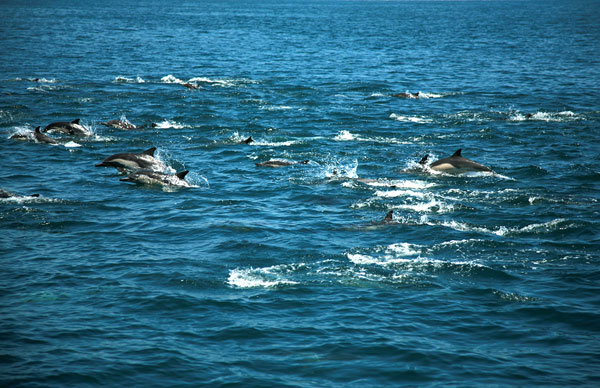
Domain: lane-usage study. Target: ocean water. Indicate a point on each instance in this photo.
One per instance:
(287, 277)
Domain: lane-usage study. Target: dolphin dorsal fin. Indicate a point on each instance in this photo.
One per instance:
(37, 130)
(149, 151)
(390, 216)
(457, 153)
(181, 174)
(76, 121)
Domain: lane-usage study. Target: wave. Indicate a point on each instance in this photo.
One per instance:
(39, 80)
(345, 135)
(563, 116)
(168, 124)
(411, 119)
(268, 277)
(236, 138)
(226, 82)
(126, 80)
(273, 108)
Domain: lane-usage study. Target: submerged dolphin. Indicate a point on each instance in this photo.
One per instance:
(132, 162)
(279, 163)
(119, 124)
(150, 177)
(406, 95)
(23, 136)
(70, 128)
(42, 138)
(8, 194)
(455, 164)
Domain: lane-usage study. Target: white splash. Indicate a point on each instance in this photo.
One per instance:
(72, 144)
(257, 278)
(170, 79)
(166, 124)
(126, 80)
(411, 119)
(344, 136)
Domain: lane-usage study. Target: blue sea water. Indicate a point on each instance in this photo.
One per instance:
(287, 277)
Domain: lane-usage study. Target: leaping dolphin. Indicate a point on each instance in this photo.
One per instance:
(70, 128)
(149, 177)
(128, 161)
(42, 138)
(455, 164)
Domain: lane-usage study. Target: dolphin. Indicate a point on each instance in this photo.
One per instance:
(23, 136)
(455, 164)
(406, 95)
(279, 163)
(150, 177)
(70, 128)
(132, 162)
(8, 194)
(389, 217)
(190, 85)
(120, 124)
(42, 138)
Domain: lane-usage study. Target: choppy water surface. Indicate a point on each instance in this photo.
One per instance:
(258, 276)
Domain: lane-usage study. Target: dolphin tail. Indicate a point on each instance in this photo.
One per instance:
(37, 130)
(424, 160)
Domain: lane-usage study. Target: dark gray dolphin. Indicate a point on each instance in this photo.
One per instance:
(279, 163)
(128, 161)
(21, 136)
(406, 95)
(8, 194)
(119, 124)
(42, 138)
(190, 85)
(389, 217)
(72, 128)
(150, 177)
(455, 164)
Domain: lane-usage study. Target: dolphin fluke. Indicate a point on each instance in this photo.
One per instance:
(424, 159)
